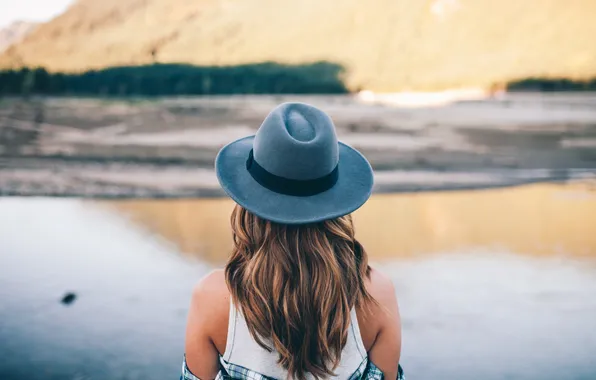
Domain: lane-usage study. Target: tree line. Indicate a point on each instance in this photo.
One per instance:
(551, 85)
(178, 79)
(183, 79)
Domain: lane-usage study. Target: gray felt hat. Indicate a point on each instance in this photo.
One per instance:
(294, 171)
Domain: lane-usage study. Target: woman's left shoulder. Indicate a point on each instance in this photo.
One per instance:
(211, 290)
(210, 303)
(213, 284)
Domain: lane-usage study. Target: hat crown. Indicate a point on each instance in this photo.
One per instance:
(297, 141)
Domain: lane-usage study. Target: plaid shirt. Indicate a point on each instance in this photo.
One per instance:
(228, 371)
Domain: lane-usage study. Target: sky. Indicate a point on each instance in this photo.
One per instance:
(31, 10)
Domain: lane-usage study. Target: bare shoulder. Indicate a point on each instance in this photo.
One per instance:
(210, 306)
(381, 287)
(381, 330)
(212, 287)
(375, 317)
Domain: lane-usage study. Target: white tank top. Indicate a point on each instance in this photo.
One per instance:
(243, 350)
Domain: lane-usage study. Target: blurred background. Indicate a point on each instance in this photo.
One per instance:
(478, 116)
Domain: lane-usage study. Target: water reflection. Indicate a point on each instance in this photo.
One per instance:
(535, 219)
(131, 291)
(472, 307)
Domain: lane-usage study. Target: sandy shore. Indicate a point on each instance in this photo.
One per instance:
(166, 147)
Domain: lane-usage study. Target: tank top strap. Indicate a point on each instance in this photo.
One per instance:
(355, 327)
(232, 321)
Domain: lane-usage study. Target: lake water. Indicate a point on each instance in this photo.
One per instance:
(492, 284)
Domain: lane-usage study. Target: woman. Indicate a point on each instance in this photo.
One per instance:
(297, 299)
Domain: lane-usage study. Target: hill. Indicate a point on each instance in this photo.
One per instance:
(14, 32)
(384, 45)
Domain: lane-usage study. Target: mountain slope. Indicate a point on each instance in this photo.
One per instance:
(14, 32)
(385, 45)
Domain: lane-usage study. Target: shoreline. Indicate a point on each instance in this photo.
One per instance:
(165, 148)
(42, 184)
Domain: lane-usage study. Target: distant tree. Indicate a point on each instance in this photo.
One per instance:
(179, 79)
(551, 85)
(28, 83)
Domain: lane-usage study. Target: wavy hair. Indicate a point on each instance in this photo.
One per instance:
(296, 285)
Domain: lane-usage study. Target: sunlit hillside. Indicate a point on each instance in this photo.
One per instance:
(14, 33)
(384, 45)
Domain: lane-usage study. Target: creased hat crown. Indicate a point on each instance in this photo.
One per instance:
(297, 141)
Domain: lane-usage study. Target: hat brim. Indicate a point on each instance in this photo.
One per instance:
(353, 187)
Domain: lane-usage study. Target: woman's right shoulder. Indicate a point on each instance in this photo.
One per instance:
(374, 317)
(380, 286)
(381, 328)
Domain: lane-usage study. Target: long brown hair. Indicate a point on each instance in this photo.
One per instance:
(296, 286)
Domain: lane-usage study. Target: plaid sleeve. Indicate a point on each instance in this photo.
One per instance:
(186, 374)
(374, 373)
(369, 371)
(228, 371)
